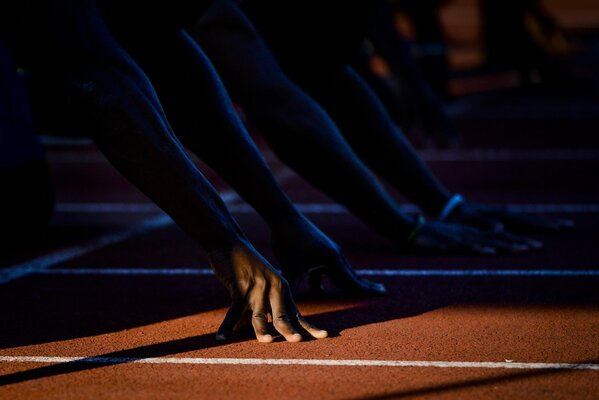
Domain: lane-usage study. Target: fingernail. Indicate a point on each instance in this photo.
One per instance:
(380, 288)
(321, 334)
(296, 337)
(488, 250)
(265, 338)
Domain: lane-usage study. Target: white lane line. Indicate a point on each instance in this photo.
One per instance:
(432, 155)
(49, 140)
(42, 263)
(45, 262)
(313, 362)
(107, 208)
(429, 155)
(479, 272)
(362, 272)
(308, 208)
(127, 271)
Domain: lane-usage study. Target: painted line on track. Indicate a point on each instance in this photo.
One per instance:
(431, 155)
(312, 362)
(308, 208)
(44, 262)
(47, 261)
(362, 272)
(428, 155)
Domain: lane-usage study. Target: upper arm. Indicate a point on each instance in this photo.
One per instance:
(247, 66)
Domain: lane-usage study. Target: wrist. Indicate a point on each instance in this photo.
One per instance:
(454, 202)
(417, 227)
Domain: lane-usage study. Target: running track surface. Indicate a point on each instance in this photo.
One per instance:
(115, 302)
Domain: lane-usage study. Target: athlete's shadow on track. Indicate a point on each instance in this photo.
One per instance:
(409, 297)
(472, 383)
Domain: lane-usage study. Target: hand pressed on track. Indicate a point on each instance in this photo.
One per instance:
(498, 218)
(302, 249)
(447, 238)
(258, 290)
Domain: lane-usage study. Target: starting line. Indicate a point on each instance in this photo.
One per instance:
(308, 208)
(362, 272)
(308, 362)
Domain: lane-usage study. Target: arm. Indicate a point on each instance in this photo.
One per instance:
(386, 150)
(295, 126)
(116, 104)
(305, 137)
(210, 128)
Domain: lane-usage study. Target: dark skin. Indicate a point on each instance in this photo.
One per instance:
(209, 127)
(118, 106)
(306, 138)
(411, 101)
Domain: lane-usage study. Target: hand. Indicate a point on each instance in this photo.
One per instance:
(257, 290)
(302, 249)
(497, 218)
(444, 237)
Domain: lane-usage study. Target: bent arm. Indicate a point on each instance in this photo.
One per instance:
(116, 104)
(295, 126)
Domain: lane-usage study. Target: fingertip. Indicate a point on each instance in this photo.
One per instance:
(296, 337)
(490, 251)
(265, 338)
(535, 244)
(380, 288)
(320, 334)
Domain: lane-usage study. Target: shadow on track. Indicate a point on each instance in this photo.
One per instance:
(471, 383)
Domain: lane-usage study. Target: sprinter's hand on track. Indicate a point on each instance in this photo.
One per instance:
(303, 250)
(258, 291)
(447, 238)
(498, 218)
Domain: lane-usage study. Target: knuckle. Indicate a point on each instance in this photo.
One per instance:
(260, 283)
(277, 284)
(281, 319)
(259, 316)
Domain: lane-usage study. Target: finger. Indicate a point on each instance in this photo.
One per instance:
(491, 225)
(482, 250)
(566, 224)
(311, 329)
(465, 243)
(231, 318)
(531, 243)
(503, 244)
(259, 314)
(480, 222)
(280, 317)
(345, 277)
(522, 222)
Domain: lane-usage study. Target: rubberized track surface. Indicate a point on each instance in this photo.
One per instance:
(116, 302)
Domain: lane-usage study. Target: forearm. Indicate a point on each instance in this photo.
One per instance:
(307, 140)
(114, 102)
(136, 139)
(202, 114)
(296, 127)
(380, 143)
